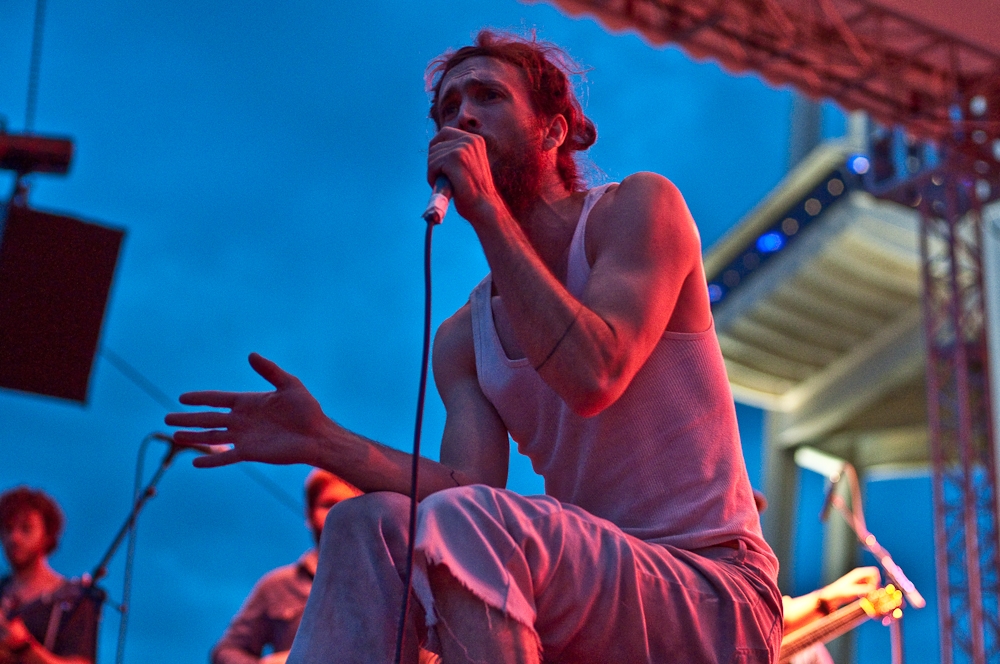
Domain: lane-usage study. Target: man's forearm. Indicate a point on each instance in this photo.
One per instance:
(574, 349)
(372, 466)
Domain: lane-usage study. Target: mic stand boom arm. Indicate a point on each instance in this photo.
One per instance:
(868, 541)
(101, 570)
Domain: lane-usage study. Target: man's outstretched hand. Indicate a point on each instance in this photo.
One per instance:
(284, 426)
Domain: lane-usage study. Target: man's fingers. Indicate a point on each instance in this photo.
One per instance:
(271, 372)
(210, 398)
(213, 437)
(216, 460)
(446, 134)
(206, 420)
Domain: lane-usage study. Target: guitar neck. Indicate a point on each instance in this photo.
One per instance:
(825, 629)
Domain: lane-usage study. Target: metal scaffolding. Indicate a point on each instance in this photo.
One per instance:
(950, 197)
(959, 414)
(860, 53)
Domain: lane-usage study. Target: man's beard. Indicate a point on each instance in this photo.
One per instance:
(517, 174)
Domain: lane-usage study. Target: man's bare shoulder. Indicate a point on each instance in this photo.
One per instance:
(640, 195)
(454, 350)
(646, 207)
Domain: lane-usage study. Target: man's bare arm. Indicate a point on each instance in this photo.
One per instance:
(800, 611)
(646, 274)
(288, 426)
(474, 435)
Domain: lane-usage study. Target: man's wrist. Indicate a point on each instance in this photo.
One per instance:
(823, 606)
(336, 448)
(18, 639)
(21, 648)
(491, 216)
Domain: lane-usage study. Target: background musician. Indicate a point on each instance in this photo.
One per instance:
(44, 619)
(271, 614)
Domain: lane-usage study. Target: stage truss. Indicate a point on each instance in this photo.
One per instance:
(950, 200)
(860, 54)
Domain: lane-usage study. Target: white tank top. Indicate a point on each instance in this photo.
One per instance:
(663, 462)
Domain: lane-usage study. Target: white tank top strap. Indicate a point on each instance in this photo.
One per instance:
(482, 318)
(577, 268)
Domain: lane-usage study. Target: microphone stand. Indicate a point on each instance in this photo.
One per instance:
(856, 521)
(140, 498)
(101, 570)
(88, 581)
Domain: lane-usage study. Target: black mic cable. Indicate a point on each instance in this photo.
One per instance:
(433, 215)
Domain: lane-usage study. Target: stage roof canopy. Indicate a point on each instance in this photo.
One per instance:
(915, 63)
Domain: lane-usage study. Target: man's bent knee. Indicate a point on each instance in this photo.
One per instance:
(363, 521)
(371, 508)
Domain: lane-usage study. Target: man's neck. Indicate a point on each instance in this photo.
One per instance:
(35, 578)
(550, 224)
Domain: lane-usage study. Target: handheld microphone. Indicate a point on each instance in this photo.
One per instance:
(438, 204)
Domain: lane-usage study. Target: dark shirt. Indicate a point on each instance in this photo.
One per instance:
(69, 612)
(270, 615)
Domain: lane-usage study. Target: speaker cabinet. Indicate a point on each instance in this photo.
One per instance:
(55, 276)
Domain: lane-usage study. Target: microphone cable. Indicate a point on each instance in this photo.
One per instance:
(130, 553)
(421, 392)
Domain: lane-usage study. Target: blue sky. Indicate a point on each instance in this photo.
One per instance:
(267, 162)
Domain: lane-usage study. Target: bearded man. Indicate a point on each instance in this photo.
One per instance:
(591, 344)
(44, 618)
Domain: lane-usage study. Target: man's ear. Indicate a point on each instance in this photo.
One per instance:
(555, 132)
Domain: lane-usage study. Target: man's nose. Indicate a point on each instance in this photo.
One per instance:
(466, 119)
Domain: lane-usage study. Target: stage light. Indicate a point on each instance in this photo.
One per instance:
(983, 190)
(27, 153)
(770, 242)
(819, 462)
(790, 226)
(835, 187)
(978, 105)
(714, 293)
(859, 164)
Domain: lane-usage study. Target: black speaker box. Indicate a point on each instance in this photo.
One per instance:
(55, 276)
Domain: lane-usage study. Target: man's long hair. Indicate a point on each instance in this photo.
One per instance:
(547, 70)
(17, 501)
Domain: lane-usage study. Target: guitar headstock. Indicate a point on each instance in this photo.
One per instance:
(883, 602)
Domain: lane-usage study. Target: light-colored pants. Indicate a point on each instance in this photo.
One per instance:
(590, 592)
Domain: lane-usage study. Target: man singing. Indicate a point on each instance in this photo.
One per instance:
(590, 343)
